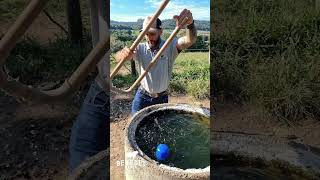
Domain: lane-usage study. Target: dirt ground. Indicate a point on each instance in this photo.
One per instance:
(34, 140)
(246, 119)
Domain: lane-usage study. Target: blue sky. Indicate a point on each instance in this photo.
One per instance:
(131, 10)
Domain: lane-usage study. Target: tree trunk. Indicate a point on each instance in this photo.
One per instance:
(74, 21)
(133, 69)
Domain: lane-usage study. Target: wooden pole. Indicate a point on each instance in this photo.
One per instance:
(140, 37)
(154, 60)
(29, 93)
(20, 26)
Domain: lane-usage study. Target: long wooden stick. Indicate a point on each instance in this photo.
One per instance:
(140, 37)
(35, 95)
(29, 93)
(20, 26)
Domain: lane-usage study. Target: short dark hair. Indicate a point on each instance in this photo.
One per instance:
(159, 24)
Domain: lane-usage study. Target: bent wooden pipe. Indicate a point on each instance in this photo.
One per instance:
(29, 93)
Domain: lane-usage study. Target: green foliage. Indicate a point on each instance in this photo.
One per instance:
(32, 61)
(124, 37)
(120, 81)
(200, 43)
(267, 52)
(199, 88)
(166, 24)
(10, 9)
(288, 87)
(121, 38)
(191, 75)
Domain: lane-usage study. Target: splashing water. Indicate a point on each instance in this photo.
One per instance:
(187, 135)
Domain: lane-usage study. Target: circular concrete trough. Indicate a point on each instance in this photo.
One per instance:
(139, 166)
(268, 148)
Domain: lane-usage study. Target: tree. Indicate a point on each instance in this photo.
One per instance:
(200, 43)
(74, 21)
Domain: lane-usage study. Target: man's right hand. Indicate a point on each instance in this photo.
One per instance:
(124, 54)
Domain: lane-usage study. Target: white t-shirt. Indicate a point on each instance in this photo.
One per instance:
(158, 78)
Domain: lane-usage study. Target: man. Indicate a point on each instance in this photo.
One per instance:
(90, 131)
(154, 87)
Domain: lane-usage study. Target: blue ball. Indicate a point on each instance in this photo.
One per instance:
(162, 152)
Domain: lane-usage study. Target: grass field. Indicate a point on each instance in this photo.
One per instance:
(191, 75)
(33, 62)
(267, 52)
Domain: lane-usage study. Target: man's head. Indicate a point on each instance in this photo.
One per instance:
(154, 32)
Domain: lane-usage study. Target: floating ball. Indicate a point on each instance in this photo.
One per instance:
(162, 152)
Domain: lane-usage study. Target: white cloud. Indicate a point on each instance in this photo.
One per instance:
(174, 7)
(127, 18)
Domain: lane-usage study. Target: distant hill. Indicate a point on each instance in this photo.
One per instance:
(167, 24)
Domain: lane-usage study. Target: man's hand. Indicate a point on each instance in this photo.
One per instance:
(191, 31)
(124, 54)
(184, 14)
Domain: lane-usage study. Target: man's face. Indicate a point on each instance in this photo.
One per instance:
(153, 37)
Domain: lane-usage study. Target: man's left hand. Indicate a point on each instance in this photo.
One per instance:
(184, 14)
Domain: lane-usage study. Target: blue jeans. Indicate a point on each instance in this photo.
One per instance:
(90, 131)
(141, 101)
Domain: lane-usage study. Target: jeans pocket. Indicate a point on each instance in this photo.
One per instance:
(96, 97)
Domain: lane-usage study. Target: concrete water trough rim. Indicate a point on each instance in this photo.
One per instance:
(139, 116)
(268, 148)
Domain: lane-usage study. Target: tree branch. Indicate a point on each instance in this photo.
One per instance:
(55, 22)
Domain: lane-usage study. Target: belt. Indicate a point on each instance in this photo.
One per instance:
(153, 95)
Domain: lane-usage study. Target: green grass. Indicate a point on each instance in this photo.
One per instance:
(10, 9)
(34, 62)
(190, 76)
(266, 52)
(121, 81)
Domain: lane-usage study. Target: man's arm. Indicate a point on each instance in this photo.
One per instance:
(191, 31)
(124, 54)
(189, 39)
